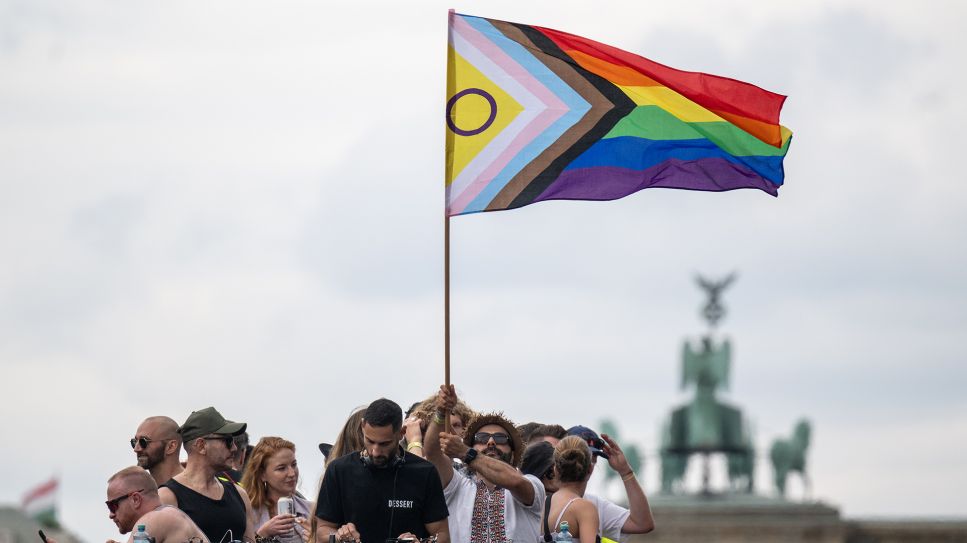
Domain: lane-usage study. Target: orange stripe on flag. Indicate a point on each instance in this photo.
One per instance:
(766, 132)
(619, 75)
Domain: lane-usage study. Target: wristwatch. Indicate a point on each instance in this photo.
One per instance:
(470, 456)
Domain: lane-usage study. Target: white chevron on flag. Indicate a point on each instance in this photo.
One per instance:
(546, 112)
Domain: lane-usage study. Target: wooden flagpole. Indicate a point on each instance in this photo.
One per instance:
(446, 311)
(446, 299)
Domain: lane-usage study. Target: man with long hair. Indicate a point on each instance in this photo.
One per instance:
(495, 502)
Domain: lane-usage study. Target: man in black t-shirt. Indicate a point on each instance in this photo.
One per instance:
(381, 492)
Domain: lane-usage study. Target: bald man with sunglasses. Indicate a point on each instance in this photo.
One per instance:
(132, 499)
(156, 445)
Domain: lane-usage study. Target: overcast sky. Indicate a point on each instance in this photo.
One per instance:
(239, 204)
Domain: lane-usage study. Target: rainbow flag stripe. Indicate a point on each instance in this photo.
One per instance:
(536, 114)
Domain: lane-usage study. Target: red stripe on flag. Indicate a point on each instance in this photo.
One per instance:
(46, 488)
(713, 92)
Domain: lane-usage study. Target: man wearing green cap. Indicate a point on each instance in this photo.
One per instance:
(221, 509)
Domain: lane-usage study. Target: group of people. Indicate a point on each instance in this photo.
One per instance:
(442, 472)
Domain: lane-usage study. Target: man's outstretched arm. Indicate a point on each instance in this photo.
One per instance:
(496, 471)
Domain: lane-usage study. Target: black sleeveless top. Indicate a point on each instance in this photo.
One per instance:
(214, 517)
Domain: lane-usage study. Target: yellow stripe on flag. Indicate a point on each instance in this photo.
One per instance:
(672, 102)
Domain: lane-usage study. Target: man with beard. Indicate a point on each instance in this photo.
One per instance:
(494, 502)
(221, 509)
(156, 444)
(132, 499)
(381, 492)
(237, 463)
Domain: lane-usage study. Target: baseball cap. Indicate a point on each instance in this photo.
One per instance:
(208, 421)
(594, 441)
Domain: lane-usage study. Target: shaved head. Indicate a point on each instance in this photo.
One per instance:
(159, 432)
(134, 478)
(164, 427)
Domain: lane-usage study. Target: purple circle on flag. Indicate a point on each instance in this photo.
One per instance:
(452, 102)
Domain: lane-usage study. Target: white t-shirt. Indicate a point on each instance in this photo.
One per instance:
(522, 523)
(611, 517)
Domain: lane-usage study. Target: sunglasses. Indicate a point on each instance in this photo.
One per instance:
(228, 440)
(500, 438)
(143, 441)
(112, 505)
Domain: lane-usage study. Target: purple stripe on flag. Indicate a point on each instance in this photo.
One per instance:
(611, 183)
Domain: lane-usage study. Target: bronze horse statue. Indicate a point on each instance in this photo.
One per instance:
(789, 455)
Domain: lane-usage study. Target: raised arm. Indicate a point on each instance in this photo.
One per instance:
(496, 471)
(414, 436)
(446, 399)
(640, 520)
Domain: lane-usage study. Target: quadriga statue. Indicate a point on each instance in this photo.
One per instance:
(789, 455)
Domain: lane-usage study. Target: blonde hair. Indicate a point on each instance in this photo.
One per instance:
(251, 478)
(425, 410)
(572, 459)
(136, 477)
(350, 438)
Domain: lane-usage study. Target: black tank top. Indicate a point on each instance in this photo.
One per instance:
(214, 517)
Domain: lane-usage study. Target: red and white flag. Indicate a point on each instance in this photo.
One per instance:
(40, 503)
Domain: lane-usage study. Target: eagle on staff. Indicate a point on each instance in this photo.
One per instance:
(714, 310)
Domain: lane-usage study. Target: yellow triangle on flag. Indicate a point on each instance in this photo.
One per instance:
(471, 111)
